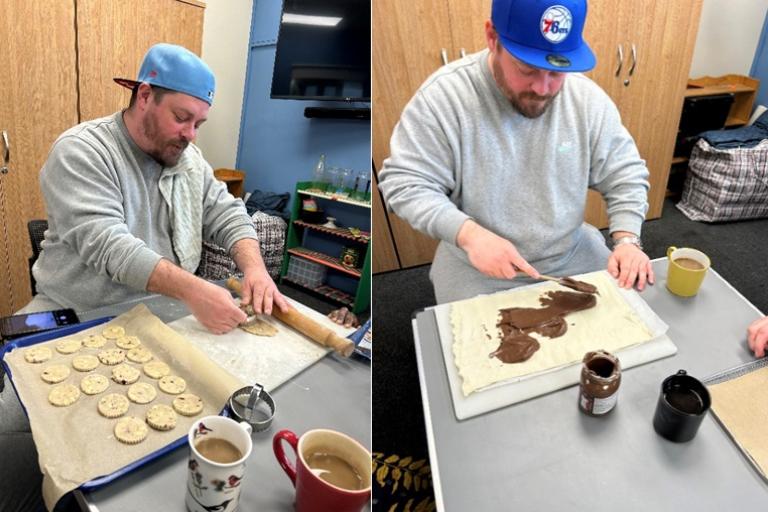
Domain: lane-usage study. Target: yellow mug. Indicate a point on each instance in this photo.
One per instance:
(687, 268)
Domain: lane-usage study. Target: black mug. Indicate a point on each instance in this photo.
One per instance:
(683, 403)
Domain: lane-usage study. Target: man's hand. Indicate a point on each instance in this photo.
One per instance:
(345, 317)
(214, 307)
(757, 336)
(629, 265)
(260, 291)
(491, 254)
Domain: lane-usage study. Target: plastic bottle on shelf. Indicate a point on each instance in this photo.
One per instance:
(318, 177)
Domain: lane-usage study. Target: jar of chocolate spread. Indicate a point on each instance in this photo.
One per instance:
(600, 380)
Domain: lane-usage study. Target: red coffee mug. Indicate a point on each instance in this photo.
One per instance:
(314, 494)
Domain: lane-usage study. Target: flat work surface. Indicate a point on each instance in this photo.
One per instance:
(544, 454)
(333, 393)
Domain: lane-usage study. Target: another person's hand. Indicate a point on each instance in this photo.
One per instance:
(260, 291)
(214, 307)
(345, 317)
(757, 336)
(630, 265)
(491, 254)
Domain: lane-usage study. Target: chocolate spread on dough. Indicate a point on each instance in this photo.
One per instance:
(517, 323)
(579, 286)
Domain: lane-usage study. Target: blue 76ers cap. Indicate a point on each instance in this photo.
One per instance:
(544, 33)
(175, 68)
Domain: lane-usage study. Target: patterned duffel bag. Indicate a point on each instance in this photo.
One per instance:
(726, 184)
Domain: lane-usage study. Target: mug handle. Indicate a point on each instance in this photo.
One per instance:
(670, 250)
(277, 447)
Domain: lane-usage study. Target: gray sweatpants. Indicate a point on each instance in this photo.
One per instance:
(454, 278)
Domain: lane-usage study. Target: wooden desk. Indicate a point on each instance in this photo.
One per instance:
(234, 179)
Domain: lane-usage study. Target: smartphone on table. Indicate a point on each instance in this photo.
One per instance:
(16, 326)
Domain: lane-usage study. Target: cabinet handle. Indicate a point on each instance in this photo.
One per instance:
(463, 53)
(634, 60)
(6, 153)
(621, 60)
(444, 56)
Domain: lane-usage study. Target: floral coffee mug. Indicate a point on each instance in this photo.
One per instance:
(218, 450)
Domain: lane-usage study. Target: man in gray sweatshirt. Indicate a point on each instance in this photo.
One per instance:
(494, 154)
(130, 200)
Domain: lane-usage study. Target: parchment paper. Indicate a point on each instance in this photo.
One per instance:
(268, 360)
(740, 406)
(76, 444)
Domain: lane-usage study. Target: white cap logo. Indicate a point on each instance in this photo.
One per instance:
(556, 23)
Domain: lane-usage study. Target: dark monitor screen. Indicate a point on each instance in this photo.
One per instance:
(324, 51)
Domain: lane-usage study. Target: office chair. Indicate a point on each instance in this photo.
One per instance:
(36, 228)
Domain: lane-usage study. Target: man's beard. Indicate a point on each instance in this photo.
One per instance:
(531, 109)
(166, 153)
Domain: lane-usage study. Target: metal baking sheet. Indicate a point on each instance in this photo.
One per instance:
(65, 331)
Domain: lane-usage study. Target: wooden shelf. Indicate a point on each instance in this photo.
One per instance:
(333, 197)
(326, 291)
(324, 259)
(340, 232)
(742, 87)
(679, 160)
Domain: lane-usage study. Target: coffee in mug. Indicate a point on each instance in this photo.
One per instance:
(334, 470)
(683, 403)
(686, 271)
(218, 450)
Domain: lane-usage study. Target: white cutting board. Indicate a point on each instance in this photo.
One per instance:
(518, 389)
(268, 360)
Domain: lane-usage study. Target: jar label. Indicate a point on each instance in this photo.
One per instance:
(598, 406)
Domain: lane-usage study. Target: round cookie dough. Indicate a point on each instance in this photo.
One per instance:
(56, 373)
(68, 346)
(172, 384)
(188, 404)
(85, 363)
(112, 356)
(63, 395)
(161, 417)
(94, 341)
(131, 430)
(142, 393)
(139, 355)
(113, 332)
(113, 405)
(124, 374)
(94, 384)
(127, 342)
(37, 354)
(156, 369)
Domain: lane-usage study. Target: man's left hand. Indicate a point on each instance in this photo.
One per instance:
(260, 291)
(629, 265)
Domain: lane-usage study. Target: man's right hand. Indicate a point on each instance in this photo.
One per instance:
(214, 307)
(491, 254)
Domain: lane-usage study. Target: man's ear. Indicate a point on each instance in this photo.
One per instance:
(143, 94)
(491, 36)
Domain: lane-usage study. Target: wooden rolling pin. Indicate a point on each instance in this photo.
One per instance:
(302, 323)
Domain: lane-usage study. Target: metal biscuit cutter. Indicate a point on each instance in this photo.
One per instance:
(254, 405)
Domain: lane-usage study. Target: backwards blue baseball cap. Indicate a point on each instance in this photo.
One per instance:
(544, 33)
(176, 68)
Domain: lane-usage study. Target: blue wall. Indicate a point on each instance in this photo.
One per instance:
(760, 66)
(278, 146)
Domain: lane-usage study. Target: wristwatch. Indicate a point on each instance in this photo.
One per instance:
(629, 239)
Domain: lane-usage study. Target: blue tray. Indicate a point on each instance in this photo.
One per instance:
(65, 331)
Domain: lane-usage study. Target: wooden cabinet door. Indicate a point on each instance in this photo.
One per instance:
(384, 254)
(407, 38)
(114, 35)
(468, 25)
(38, 101)
(649, 99)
